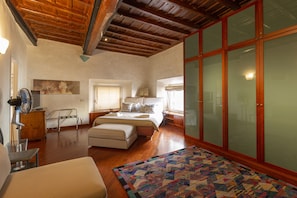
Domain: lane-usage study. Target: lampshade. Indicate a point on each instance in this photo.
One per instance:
(3, 45)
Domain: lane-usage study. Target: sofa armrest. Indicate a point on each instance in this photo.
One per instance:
(72, 178)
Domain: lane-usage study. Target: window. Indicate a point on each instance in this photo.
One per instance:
(107, 97)
(175, 98)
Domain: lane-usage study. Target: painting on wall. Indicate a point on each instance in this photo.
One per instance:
(56, 86)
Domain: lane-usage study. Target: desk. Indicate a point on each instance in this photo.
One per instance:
(174, 119)
(25, 156)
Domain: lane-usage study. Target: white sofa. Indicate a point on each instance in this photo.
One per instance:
(72, 178)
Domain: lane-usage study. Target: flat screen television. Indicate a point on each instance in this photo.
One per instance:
(36, 99)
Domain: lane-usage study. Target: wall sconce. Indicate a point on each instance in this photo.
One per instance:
(249, 76)
(3, 45)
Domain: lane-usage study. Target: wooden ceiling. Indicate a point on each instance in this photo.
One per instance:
(138, 27)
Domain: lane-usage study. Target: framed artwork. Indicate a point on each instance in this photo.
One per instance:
(56, 86)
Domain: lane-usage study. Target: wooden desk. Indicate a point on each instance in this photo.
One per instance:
(174, 119)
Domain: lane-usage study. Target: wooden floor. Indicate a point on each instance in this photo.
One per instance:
(69, 144)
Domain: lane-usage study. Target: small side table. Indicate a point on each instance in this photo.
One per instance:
(24, 156)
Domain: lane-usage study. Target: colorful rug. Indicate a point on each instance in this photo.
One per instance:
(195, 172)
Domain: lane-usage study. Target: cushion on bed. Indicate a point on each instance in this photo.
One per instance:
(126, 107)
(145, 104)
(148, 108)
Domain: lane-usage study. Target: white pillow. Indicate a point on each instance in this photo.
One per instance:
(4, 164)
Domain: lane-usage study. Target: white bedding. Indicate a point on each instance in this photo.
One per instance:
(137, 111)
(134, 118)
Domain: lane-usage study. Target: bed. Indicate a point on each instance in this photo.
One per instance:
(146, 114)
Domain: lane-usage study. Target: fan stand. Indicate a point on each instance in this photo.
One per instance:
(23, 104)
(16, 120)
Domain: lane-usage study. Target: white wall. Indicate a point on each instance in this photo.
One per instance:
(58, 61)
(16, 52)
(166, 64)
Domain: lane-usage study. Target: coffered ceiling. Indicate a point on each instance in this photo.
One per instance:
(138, 27)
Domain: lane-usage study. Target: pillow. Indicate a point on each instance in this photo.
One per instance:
(4, 164)
(136, 107)
(148, 108)
(126, 107)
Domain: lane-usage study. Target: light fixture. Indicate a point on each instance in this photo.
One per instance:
(3, 45)
(249, 76)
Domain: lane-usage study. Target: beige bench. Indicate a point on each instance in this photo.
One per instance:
(72, 178)
(112, 135)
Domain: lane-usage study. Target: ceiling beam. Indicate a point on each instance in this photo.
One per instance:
(156, 36)
(125, 51)
(195, 9)
(153, 22)
(111, 37)
(135, 38)
(130, 48)
(168, 17)
(231, 4)
(22, 23)
(101, 17)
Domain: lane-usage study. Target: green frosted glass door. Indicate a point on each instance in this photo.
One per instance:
(242, 101)
(191, 46)
(280, 102)
(212, 100)
(191, 99)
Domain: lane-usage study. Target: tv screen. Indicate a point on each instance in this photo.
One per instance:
(36, 99)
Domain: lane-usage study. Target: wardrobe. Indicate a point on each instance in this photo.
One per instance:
(240, 87)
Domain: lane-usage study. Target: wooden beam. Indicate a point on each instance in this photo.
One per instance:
(101, 17)
(143, 19)
(195, 9)
(135, 39)
(144, 8)
(22, 23)
(157, 36)
(230, 4)
(125, 51)
(110, 38)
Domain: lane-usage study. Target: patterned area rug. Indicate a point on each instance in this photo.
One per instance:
(195, 172)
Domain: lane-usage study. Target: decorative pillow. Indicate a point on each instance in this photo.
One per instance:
(148, 108)
(4, 164)
(136, 107)
(126, 107)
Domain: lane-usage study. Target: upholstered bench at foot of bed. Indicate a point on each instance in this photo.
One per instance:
(112, 135)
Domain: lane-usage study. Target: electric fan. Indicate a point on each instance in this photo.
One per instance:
(23, 104)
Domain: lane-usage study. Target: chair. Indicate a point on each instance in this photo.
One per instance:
(19, 157)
